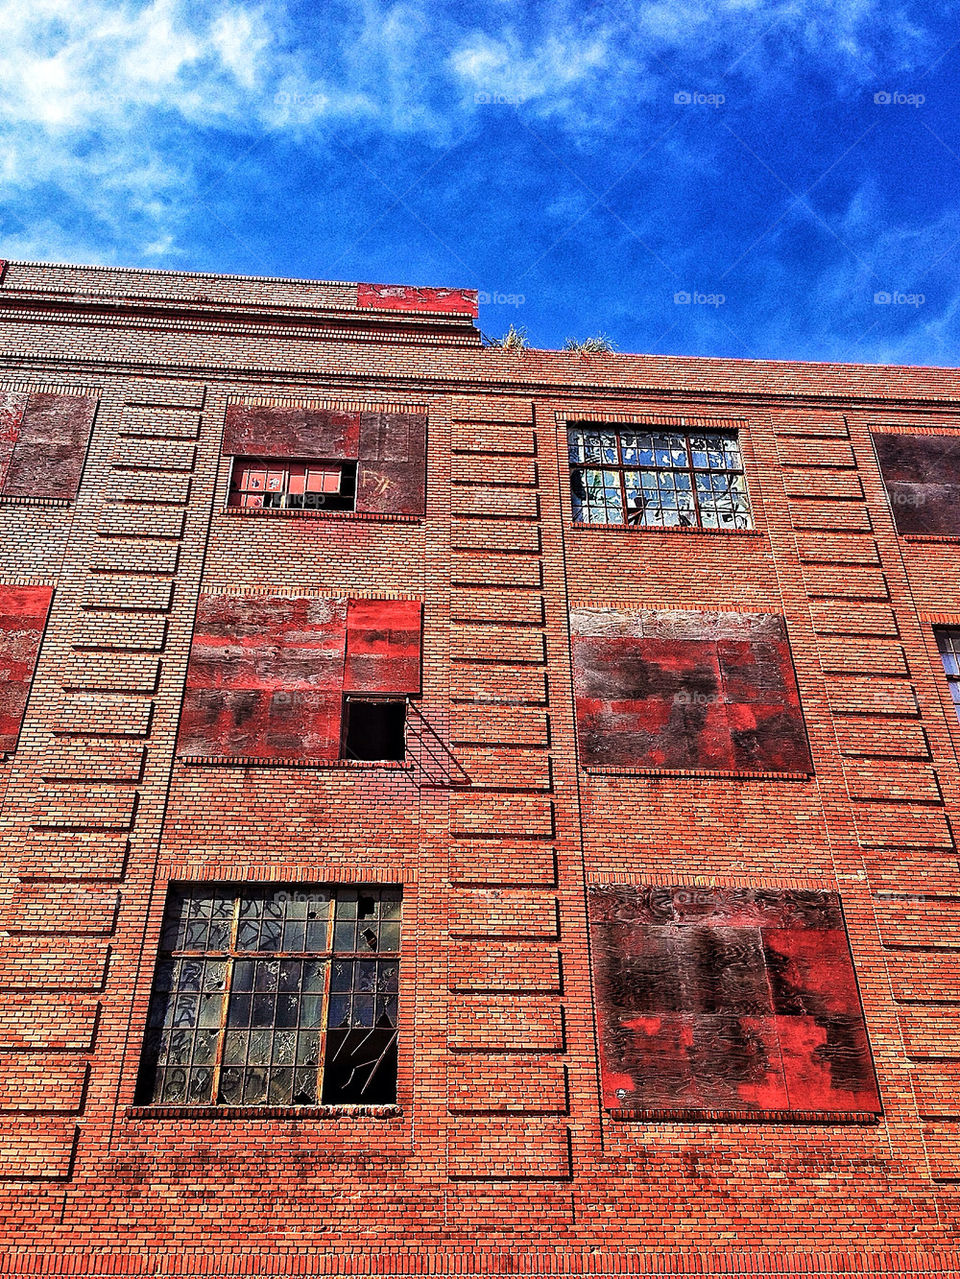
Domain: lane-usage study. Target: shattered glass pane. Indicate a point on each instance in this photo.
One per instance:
(248, 1026)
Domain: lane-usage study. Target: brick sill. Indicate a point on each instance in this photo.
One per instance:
(369, 517)
(857, 1117)
(243, 761)
(753, 775)
(264, 1112)
(576, 527)
(36, 501)
(951, 539)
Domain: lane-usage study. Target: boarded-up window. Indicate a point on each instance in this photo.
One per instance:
(388, 450)
(268, 673)
(686, 689)
(23, 615)
(922, 478)
(43, 443)
(728, 999)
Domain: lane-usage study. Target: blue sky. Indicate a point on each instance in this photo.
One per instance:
(787, 165)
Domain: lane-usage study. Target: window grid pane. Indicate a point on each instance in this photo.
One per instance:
(257, 993)
(658, 479)
(948, 642)
(289, 485)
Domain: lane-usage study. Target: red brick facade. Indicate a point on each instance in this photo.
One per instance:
(502, 1153)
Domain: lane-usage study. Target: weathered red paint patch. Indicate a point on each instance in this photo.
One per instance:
(267, 673)
(725, 699)
(12, 407)
(51, 444)
(23, 616)
(383, 646)
(406, 297)
(257, 430)
(728, 999)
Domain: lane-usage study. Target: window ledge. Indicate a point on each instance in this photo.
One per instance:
(35, 501)
(861, 1117)
(749, 774)
(582, 527)
(250, 761)
(264, 1112)
(374, 517)
(952, 539)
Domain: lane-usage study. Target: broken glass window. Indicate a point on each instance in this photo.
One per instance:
(275, 997)
(657, 479)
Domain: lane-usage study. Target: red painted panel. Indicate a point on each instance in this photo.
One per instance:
(728, 999)
(405, 297)
(660, 697)
(23, 615)
(265, 678)
(51, 446)
(256, 430)
(383, 646)
(12, 406)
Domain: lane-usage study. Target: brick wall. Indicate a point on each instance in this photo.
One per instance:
(499, 1157)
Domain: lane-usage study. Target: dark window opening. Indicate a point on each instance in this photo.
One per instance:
(374, 728)
(275, 997)
(658, 479)
(260, 484)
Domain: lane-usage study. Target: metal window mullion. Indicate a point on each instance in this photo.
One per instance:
(691, 470)
(623, 480)
(325, 1013)
(227, 989)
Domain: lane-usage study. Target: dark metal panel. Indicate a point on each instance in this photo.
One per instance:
(52, 444)
(922, 477)
(727, 999)
(23, 615)
(391, 476)
(268, 431)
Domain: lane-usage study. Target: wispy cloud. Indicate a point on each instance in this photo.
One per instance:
(419, 140)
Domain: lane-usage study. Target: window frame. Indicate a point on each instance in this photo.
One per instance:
(151, 1062)
(347, 467)
(622, 468)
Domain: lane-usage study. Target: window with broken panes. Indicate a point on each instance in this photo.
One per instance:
(293, 486)
(275, 997)
(658, 479)
(948, 642)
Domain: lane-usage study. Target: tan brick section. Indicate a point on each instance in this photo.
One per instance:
(499, 1157)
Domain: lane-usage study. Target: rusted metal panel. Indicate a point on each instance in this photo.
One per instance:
(391, 476)
(679, 690)
(922, 477)
(406, 297)
(23, 615)
(728, 999)
(268, 431)
(383, 646)
(265, 678)
(51, 446)
(267, 673)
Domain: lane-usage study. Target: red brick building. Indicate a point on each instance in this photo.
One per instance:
(467, 810)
